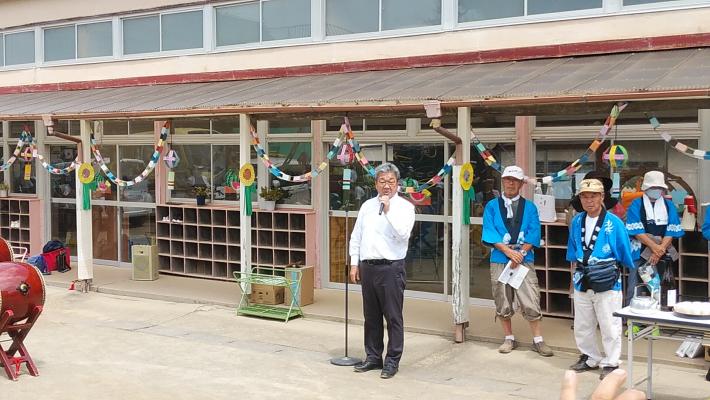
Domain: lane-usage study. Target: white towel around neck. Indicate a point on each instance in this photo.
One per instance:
(656, 212)
(509, 205)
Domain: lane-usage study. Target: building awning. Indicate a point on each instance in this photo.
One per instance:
(655, 75)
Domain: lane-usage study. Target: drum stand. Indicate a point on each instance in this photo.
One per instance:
(18, 333)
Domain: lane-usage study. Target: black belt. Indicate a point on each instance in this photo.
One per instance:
(379, 261)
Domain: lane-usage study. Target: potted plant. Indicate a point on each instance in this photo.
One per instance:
(3, 189)
(201, 194)
(271, 196)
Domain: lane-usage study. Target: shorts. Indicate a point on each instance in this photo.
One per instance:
(526, 298)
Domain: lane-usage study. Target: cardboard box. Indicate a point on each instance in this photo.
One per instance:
(266, 294)
(304, 296)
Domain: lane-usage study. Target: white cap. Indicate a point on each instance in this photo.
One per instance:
(514, 171)
(653, 179)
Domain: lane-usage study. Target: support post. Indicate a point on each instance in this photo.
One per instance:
(460, 272)
(703, 166)
(84, 236)
(524, 156)
(245, 220)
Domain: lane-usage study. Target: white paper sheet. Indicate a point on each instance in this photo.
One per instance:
(513, 277)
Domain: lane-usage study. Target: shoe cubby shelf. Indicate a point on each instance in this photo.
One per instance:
(21, 223)
(554, 275)
(206, 241)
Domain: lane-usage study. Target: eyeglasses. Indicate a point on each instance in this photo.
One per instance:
(387, 183)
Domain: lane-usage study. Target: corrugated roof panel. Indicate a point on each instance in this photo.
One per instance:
(565, 77)
(693, 73)
(589, 75)
(637, 73)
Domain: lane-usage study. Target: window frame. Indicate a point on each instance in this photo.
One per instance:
(4, 34)
(163, 53)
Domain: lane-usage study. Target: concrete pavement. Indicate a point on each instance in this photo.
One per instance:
(96, 345)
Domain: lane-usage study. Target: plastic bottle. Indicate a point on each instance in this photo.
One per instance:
(649, 276)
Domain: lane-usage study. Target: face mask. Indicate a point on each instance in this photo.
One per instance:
(654, 194)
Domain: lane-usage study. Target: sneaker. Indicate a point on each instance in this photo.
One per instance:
(581, 364)
(507, 346)
(543, 349)
(606, 371)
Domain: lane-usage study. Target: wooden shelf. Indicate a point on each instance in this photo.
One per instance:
(692, 271)
(21, 223)
(206, 241)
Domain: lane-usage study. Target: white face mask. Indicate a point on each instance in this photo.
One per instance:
(654, 194)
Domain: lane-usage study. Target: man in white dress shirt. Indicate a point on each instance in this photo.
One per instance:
(378, 246)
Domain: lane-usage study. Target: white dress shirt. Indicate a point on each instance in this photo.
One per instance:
(383, 236)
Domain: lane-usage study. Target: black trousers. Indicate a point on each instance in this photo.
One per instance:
(383, 296)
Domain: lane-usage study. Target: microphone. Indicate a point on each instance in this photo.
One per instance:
(382, 207)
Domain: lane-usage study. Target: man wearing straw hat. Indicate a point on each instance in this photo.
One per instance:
(598, 242)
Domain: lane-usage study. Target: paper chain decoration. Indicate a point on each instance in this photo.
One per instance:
(148, 169)
(275, 171)
(680, 147)
(575, 165)
(20, 143)
(346, 136)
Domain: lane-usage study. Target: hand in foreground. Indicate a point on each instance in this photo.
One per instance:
(606, 390)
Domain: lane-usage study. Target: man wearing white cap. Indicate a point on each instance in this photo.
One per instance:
(511, 226)
(653, 223)
(598, 242)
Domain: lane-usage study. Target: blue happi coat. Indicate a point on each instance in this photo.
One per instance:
(495, 231)
(612, 245)
(706, 225)
(635, 226)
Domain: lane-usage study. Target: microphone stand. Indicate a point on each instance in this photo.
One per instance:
(346, 361)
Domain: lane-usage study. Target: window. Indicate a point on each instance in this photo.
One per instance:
(181, 30)
(137, 228)
(280, 127)
(133, 162)
(481, 10)
(141, 126)
(94, 40)
(286, 19)
(62, 186)
(238, 24)
(344, 17)
(20, 48)
(59, 43)
(293, 158)
(64, 224)
(551, 6)
(225, 160)
(141, 35)
(399, 14)
(191, 126)
(2, 51)
(194, 169)
(108, 152)
(636, 2)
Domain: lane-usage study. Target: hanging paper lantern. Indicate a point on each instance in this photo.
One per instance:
(616, 156)
(171, 159)
(26, 156)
